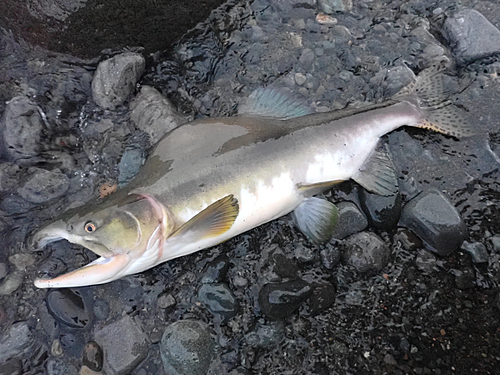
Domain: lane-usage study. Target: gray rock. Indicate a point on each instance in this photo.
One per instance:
(93, 356)
(266, 335)
(279, 300)
(471, 36)
(477, 251)
(60, 10)
(8, 177)
(436, 221)
(219, 299)
(20, 129)
(216, 270)
(330, 256)
(44, 185)
(115, 79)
(60, 367)
(69, 307)
(366, 252)
(187, 348)
(4, 270)
(383, 212)
(14, 341)
(154, 114)
(11, 283)
(332, 6)
(351, 220)
(124, 344)
(130, 164)
(12, 367)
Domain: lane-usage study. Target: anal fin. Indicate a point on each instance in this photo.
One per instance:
(213, 221)
(378, 174)
(316, 218)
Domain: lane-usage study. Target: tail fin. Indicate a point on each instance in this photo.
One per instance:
(439, 114)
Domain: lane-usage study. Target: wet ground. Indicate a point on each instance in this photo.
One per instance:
(422, 313)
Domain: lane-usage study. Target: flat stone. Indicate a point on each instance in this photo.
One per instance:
(124, 344)
(115, 79)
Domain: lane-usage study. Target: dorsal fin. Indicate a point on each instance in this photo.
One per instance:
(272, 102)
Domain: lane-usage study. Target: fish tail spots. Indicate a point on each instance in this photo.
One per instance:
(432, 96)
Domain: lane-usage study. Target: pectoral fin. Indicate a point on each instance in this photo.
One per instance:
(212, 221)
(378, 174)
(316, 218)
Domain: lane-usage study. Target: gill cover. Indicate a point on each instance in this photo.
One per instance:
(122, 233)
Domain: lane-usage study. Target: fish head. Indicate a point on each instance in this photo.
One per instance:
(128, 234)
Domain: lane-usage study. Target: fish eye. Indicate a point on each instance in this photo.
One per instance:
(90, 227)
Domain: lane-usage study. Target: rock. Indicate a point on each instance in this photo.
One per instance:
(20, 129)
(279, 300)
(351, 220)
(216, 270)
(14, 204)
(471, 36)
(266, 336)
(93, 356)
(322, 297)
(219, 299)
(330, 256)
(60, 367)
(436, 221)
(11, 283)
(465, 279)
(4, 270)
(187, 348)
(69, 307)
(22, 261)
(366, 252)
(124, 345)
(130, 164)
(154, 114)
(383, 212)
(477, 251)
(8, 176)
(115, 79)
(407, 239)
(43, 185)
(12, 367)
(332, 6)
(14, 341)
(166, 301)
(304, 254)
(101, 309)
(40, 355)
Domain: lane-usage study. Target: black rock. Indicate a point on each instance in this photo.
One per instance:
(351, 220)
(216, 270)
(477, 251)
(219, 299)
(12, 367)
(279, 300)
(465, 279)
(266, 335)
(330, 256)
(322, 297)
(436, 221)
(383, 212)
(366, 252)
(68, 307)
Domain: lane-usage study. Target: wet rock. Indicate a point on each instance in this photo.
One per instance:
(69, 307)
(154, 114)
(282, 265)
(436, 221)
(426, 261)
(219, 299)
(60, 367)
(471, 36)
(407, 239)
(322, 297)
(43, 186)
(465, 279)
(477, 251)
(351, 220)
(130, 164)
(383, 212)
(93, 356)
(330, 256)
(12, 367)
(279, 300)
(22, 261)
(216, 270)
(14, 204)
(266, 336)
(101, 309)
(14, 341)
(115, 79)
(11, 283)
(304, 254)
(187, 348)
(166, 301)
(366, 252)
(332, 6)
(20, 129)
(124, 344)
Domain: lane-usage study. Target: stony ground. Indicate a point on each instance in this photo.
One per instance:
(379, 299)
